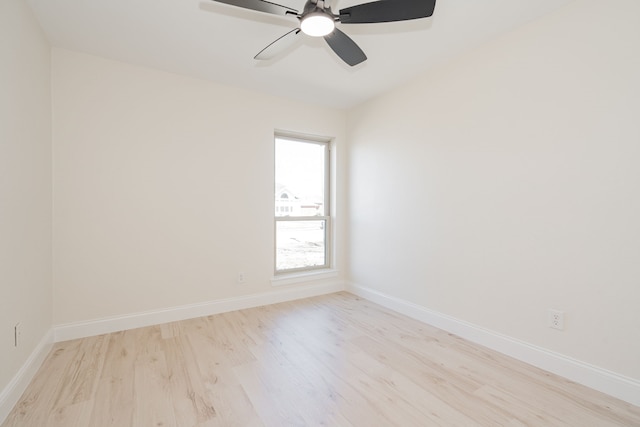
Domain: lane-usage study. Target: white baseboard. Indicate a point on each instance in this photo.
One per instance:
(12, 392)
(106, 325)
(611, 383)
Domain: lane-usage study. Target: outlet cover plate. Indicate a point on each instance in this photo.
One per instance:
(555, 319)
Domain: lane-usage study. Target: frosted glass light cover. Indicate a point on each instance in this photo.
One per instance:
(317, 24)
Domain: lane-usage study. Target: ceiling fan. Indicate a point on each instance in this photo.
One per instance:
(317, 20)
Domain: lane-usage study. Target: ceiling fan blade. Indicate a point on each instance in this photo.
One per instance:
(345, 48)
(279, 45)
(261, 6)
(387, 11)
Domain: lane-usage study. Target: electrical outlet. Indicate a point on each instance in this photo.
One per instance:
(17, 331)
(241, 277)
(555, 319)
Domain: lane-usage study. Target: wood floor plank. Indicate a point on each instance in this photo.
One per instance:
(452, 388)
(152, 402)
(191, 406)
(113, 401)
(77, 414)
(334, 360)
(234, 407)
(80, 378)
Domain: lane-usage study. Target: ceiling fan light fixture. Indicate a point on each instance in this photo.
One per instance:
(317, 24)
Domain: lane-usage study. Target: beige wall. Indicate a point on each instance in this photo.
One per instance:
(25, 186)
(163, 187)
(508, 182)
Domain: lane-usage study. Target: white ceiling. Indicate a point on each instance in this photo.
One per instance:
(217, 42)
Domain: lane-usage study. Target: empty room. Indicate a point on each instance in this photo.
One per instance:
(256, 213)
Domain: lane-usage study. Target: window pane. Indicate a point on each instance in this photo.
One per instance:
(300, 244)
(300, 178)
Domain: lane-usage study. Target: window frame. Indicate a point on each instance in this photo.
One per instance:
(327, 217)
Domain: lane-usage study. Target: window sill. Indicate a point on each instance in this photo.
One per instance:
(306, 276)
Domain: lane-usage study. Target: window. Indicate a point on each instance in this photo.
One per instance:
(302, 220)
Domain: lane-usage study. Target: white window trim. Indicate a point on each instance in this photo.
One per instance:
(291, 276)
(303, 276)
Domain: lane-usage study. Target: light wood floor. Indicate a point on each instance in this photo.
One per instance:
(334, 360)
